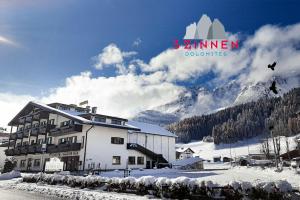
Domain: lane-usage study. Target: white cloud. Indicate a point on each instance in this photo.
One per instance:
(10, 105)
(129, 93)
(137, 42)
(123, 95)
(112, 55)
(6, 41)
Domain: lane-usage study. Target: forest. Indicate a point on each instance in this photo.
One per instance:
(244, 120)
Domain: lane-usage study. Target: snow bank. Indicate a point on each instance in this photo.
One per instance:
(178, 188)
(10, 175)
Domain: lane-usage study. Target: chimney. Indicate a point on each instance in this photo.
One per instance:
(94, 110)
(88, 109)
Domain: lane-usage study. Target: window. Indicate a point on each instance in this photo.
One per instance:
(62, 141)
(49, 140)
(100, 119)
(36, 162)
(67, 140)
(116, 160)
(131, 160)
(117, 140)
(51, 122)
(116, 121)
(25, 143)
(22, 163)
(43, 123)
(32, 142)
(40, 141)
(140, 160)
(66, 123)
(82, 142)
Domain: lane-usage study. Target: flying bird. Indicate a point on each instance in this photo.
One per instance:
(272, 67)
(273, 88)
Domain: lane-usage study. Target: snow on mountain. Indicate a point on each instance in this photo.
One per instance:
(156, 117)
(198, 100)
(261, 89)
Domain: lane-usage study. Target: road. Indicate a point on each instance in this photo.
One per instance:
(21, 195)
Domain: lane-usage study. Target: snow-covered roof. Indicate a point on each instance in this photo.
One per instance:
(74, 115)
(151, 128)
(187, 161)
(183, 149)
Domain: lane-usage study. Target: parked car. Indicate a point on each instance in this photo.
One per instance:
(295, 163)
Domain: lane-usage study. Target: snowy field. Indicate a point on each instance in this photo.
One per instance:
(208, 150)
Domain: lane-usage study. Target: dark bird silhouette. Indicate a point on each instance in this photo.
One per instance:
(273, 88)
(272, 67)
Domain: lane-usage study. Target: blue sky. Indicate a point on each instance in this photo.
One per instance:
(57, 39)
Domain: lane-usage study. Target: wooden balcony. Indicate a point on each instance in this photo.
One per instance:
(9, 152)
(17, 151)
(13, 136)
(34, 131)
(26, 132)
(24, 149)
(63, 147)
(19, 134)
(40, 115)
(31, 149)
(72, 128)
(22, 120)
(28, 119)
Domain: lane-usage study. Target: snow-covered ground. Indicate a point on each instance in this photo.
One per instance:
(64, 192)
(219, 173)
(208, 150)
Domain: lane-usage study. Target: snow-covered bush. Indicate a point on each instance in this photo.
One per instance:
(177, 188)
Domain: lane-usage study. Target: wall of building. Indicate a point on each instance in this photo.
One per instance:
(159, 144)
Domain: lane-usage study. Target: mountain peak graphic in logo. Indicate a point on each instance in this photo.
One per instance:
(205, 29)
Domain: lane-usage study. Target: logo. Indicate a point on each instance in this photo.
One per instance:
(206, 38)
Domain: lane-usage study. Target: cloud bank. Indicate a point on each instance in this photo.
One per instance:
(129, 92)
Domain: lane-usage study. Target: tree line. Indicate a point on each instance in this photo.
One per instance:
(244, 120)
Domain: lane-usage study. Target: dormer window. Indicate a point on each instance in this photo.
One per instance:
(100, 119)
(116, 121)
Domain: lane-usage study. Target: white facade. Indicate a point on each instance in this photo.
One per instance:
(99, 145)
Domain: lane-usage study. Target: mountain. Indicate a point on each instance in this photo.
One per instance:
(199, 100)
(244, 121)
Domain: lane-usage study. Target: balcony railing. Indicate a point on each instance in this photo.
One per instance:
(17, 151)
(63, 147)
(24, 149)
(34, 131)
(22, 120)
(13, 136)
(19, 134)
(28, 119)
(34, 148)
(26, 132)
(72, 128)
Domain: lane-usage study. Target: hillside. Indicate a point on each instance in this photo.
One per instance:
(244, 120)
